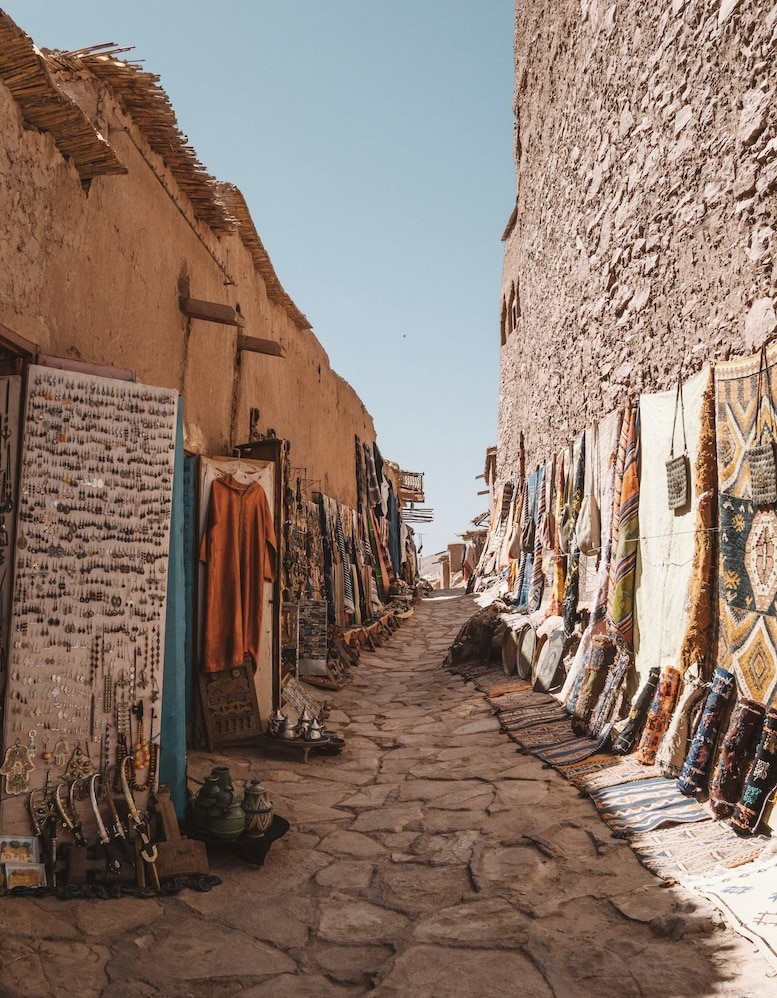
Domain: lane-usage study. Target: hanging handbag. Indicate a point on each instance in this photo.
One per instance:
(548, 525)
(678, 469)
(528, 526)
(513, 543)
(589, 532)
(565, 520)
(760, 457)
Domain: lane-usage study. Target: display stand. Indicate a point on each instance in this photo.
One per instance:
(87, 616)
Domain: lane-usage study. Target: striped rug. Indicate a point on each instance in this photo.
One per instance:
(642, 805)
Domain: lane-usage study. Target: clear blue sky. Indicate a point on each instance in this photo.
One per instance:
(372, 140)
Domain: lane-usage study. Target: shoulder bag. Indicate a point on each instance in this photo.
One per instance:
(678, 470)
(760, 457)
(589, 534)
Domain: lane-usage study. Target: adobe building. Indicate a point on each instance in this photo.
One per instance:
(189, 491)
(119, 249)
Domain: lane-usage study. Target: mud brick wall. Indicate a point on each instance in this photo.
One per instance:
(644, 227)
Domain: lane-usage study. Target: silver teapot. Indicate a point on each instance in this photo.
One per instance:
(276, 723)
(303, 725)
(315, 732)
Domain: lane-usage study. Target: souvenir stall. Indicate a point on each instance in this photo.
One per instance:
(664, 707)
(87, 526)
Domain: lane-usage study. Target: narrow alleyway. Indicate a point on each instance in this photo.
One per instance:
(430, 859)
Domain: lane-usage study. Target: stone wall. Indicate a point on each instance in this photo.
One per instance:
(646, 178)
(95, 271)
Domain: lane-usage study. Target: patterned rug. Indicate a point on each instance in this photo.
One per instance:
(581, 773)
(539, 734)
(625, 769)
(673, 835)
(490, 679)
(499, 687)
(747, 570)
(748, 897)
(643, 805)
(472, 672)
(694, 850)
(574, 749)
(515, 720)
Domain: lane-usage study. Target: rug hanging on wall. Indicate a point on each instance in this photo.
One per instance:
(747, 567)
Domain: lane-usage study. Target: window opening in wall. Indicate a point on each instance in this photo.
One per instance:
(516, 306)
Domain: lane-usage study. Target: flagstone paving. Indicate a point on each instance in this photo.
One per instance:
(431, 858)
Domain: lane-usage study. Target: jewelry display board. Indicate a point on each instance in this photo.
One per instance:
(10, 394)
(88, 613)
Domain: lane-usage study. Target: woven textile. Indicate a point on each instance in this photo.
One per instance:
(571, 750)
(581, 772)
(692, 850)
(572, 581)
(666, 536)
(676, 742)
(622, 770)
(575, 669)
(695, 773)
(697, 640)
(761, 780)
(600, 662)
(632, 729)
(559, 559)
(526, 568)
(748, 898)
(579, 670)
(736, 753)
(607, 704)
(659, 715)
(626, 528)
(609, 436)
(644, 805)
(747, 564)
(537, 581)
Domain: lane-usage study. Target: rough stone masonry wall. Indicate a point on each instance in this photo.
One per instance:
(644, 232)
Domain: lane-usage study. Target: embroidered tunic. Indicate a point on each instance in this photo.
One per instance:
(239, 548)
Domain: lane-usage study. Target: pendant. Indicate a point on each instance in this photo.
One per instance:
(16, 769)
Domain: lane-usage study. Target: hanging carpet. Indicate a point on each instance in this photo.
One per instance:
(667, 537)
(747, 568)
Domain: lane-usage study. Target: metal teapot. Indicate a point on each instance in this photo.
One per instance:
(303, 724)
(314, 732)
(276, 723)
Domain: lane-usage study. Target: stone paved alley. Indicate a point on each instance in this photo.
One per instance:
(431, 858)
